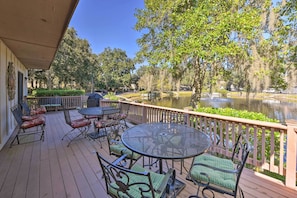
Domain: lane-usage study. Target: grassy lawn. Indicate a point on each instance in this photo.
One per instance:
(278, 96)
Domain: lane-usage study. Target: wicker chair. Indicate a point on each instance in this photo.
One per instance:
(134, 182)
(216, 174)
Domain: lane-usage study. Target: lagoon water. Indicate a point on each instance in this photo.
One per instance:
(272, 108)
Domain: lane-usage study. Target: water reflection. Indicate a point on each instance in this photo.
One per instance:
(272, 108)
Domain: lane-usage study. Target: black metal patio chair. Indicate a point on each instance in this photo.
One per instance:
(28, 125)
(117, 148)
(30, 112)
(103, 124)
(213, 173)
(81, 124)
(135, 182)
(122, 115)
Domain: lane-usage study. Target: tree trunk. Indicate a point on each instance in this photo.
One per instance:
(199, 75)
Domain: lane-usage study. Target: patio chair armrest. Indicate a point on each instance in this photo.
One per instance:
(115, 141)
(169, 175)
(233, 171)
(118, 160)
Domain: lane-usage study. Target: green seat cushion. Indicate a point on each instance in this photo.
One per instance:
(133, 190)
(120, 149)
(226, 180)
(156, 178)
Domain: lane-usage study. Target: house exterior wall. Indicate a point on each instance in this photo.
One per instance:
(7, 121)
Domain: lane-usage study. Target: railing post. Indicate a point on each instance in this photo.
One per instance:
(187, 115)
(291, 153)
(144, 115)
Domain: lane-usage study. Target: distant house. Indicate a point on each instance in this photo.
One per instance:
(30, 33)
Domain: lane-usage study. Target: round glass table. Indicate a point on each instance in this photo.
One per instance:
(98, 111)
(166, 141)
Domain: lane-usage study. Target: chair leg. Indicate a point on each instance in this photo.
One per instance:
(73, 139)
(101, 136)
(42, 133)
(182, 166)
(15, 138)
(98, 135)
(151, 163)
(67, 134)
(82, 131)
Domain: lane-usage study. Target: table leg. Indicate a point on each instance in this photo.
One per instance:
(178, 185)
(160, 166)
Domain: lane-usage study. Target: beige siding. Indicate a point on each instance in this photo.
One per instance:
(7, 122)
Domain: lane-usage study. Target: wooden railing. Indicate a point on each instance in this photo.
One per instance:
(58, 102)
(274, 144)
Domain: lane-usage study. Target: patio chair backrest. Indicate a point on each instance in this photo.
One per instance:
(241, 151)
(17, 113)
(25, 108)
(67, 116)
(220, 174)
(123, 182)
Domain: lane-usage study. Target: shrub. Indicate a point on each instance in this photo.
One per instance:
(111, 96)
(56, 92)
(236, 113)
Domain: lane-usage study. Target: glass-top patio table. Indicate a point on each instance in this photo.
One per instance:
(166, 141)
(99, 112)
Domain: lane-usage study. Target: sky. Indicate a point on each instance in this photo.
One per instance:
(107, 23)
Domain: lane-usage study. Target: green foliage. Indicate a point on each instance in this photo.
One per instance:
(58, 92)
(74, 63)
(111, 96)
(223, 92)
(236, 113)
(199, 36)
(115, 69)
(267, 134)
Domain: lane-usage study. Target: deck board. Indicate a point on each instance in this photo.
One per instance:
(51, 169)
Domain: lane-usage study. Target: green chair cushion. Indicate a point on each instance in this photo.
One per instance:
(134, 189)
(155, 177)
(120, 149)
(219, 178)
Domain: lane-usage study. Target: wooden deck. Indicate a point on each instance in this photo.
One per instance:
(51, 169)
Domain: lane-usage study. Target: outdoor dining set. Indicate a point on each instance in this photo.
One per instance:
(170, 139)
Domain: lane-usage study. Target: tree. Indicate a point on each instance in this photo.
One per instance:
(74, 62)
(200, 33)
(286, 34)
(148, 77)
(115, 69)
